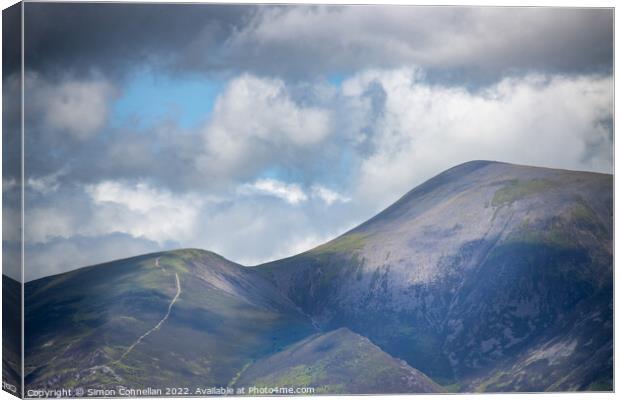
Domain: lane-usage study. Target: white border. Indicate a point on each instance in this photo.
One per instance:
(543, 3)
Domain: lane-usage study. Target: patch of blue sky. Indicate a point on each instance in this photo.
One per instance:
(339, 174)
(335, 173)
(336, 79)
(148, 99)
(282, 174)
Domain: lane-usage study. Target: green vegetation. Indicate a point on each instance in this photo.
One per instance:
(584, 217)
(297, 376)
(555, 235)
(516, 190)
(339, 361)
(559, 231)
(176, 263)
(453, 388)
(601, 386)
(583, 213)
(490, 381)
(343, 244)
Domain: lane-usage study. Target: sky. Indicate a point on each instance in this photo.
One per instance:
(259, 132)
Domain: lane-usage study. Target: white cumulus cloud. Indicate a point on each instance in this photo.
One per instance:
(144, 211)
(328, 196)
(290, 192)
(423, 129)
(254, 120)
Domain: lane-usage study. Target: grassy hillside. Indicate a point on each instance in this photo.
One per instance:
(81, 324)
(339, 361)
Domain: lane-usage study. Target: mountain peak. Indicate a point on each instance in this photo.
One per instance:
(488, 277)
(472, 250)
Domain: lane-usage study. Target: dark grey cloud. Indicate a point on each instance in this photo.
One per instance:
(11, 89)
(11, 143)
(451, 43)
(11, 44)
(79, 38)
(454, 44)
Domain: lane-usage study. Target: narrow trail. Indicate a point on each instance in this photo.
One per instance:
(157, 264)
(160, 323)
(105, 366)
(234, 380)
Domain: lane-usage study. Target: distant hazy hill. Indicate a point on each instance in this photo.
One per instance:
(488, 277)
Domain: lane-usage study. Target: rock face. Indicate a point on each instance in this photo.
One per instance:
(489, 276)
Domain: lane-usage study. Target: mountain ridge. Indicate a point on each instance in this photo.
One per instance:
(478, 163)
(464, 220)
(470, 278)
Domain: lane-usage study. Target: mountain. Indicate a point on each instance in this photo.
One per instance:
(487, 277)
(11, 334)
(339, 361)
(186, 317)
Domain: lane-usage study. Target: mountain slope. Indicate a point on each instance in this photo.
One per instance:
(11, 334)
(471, 273)
(488, 277)
(192, 319)
(179, 317)
(339, 361)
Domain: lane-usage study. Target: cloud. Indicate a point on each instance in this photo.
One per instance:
(461, 44)
(389, 131)
(9, 185)
(143, 211)
(46, 184)
(328, 196)
(260, 222)
(537, 120)
(65, 254)
(48, 222)
(137, 209)
(253, 121)
(78, 108)
(257, 124)
(11, 125)
(291, 193)
(472, 42)
(77, 39)
(255, 229)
